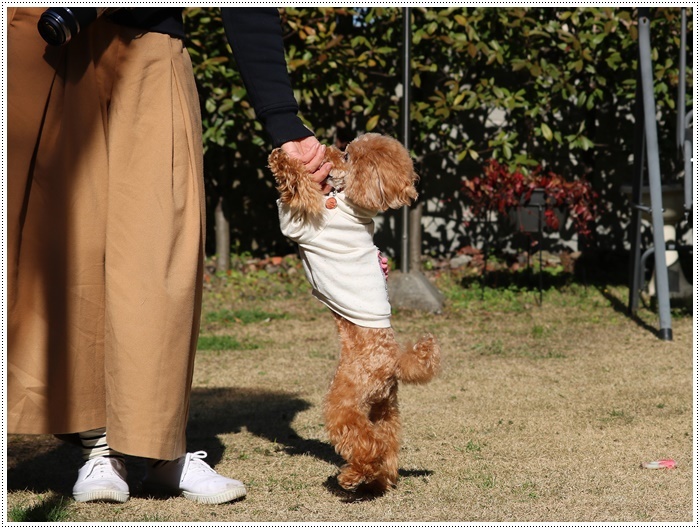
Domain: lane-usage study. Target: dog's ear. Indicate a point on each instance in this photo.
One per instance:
(406, 192)
(295, 186)
(382, 173)
(398, 189)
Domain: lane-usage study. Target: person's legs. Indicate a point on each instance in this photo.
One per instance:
(154, 246)
(154, 265)
(56, 181)
(74, 217)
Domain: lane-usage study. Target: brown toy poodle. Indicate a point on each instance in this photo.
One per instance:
(334, 233)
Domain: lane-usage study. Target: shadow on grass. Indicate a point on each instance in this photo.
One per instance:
(41, 463)
(358, 496)
(363, 494)
(620, 306)
(51, 508)
(50, 464)
(266, 414)
(44, 464)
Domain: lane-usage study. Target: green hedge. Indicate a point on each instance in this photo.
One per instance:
(526, 86)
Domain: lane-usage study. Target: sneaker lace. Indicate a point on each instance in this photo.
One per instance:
(198, 465)
(104, 467)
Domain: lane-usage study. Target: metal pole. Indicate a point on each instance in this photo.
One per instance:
(684, 142)
(406, 125)
(635, 270)
(680, 117)
(652, 148)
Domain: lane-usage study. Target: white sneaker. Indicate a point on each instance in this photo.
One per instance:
(102, 479)
(196, 480)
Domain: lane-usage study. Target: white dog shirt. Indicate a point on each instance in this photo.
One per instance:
(341, 261)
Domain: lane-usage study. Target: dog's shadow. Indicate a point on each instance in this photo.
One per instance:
(41, 463)
(266, 414)
(362, 493)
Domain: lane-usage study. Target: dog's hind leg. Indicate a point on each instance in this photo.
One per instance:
(387, 426)
(356, 404)
(355, 439)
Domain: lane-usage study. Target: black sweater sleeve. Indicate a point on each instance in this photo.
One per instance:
(255, 36)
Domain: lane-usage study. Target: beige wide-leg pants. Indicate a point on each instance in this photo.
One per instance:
(105, 213)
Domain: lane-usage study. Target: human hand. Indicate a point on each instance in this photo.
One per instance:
(311, 153)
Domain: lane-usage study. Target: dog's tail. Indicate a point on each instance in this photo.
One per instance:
(421, 362)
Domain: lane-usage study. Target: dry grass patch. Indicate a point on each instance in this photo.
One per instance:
(540, 414)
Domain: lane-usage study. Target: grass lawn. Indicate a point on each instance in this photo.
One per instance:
(542, 413)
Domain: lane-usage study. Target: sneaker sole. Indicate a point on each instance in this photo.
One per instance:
(222, 497)
(112, 496)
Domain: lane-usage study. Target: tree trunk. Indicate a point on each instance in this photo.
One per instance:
(223, 238)
(415, 238)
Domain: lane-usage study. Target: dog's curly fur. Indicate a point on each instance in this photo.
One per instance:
(361, 409)
(375, 171)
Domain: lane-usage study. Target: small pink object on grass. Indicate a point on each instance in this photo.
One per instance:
(661, 463)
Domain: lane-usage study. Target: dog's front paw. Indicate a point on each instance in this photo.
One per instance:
(295, 185)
